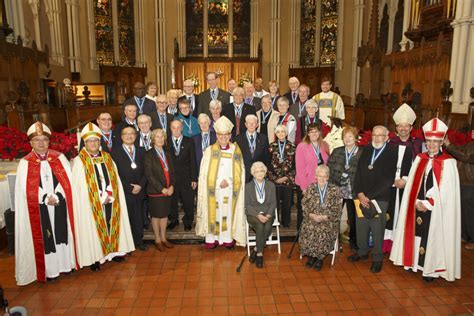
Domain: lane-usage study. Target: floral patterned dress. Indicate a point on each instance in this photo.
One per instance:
(285, 167)
(317, 239)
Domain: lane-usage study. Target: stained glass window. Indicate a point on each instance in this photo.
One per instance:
(218, 25)
(104, 36)
(194, 27)
(328, 37)
(308, 32)
(241, 27)
(126, 32)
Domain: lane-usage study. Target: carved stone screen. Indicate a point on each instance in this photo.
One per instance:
(194, 27)
(104, 35)
(241, 27)
(328, 42)
(126, 33)
(308, 32)
(218, 27)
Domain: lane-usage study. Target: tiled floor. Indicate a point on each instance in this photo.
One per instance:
(189, 280)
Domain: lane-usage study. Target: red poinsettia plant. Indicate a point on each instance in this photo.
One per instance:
(15, 144)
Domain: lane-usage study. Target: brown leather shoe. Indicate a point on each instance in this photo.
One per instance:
(168, 244)
(159, 246)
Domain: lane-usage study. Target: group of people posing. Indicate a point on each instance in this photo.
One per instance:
(243, 154)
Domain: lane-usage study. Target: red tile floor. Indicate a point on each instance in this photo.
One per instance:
(189, 280)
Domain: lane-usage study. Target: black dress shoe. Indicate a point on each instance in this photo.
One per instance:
(318, 264)
(95, 266)
(172, 225)
(231, 247)
(376, 267)
(259, 262)
(310, 262)
(428, 279)
(187, 228)
(355, 257)
(142, 247)
(118, 259)
(253, 256)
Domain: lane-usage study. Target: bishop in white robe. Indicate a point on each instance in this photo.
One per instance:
(102, 225)
(44, 222)
(220, 208)
(428, 234)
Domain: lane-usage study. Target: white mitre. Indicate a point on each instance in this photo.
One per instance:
(38, 129)
(223, 125)
(404, 114)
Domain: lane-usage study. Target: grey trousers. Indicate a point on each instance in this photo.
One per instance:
(375, 225)
(262, 231)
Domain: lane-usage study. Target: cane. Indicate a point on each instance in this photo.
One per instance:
(294, 243)
(241, 263)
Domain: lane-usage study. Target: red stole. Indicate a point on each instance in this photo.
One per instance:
(32, 185)
(409, 234)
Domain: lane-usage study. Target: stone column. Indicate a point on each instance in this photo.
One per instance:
(230, 22)
(356, 41)
(392, 11)
(459, 58)
(92, 46)
(205, 29)
(139, 25)
(73, 35)
(35, 7)
(254, 28)
(340, 34)
(275, 40)
(182, 27)
(160, 46)
(405, 43)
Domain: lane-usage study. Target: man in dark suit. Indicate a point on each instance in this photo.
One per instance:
(298, 109)
(144, 134)
(373, 180)
(254, 146)
(213, 93)
(160, 118)
(188, 87)
(249, 97)
(237, 111)
(143, 104)
(130, 119)
(130, 165)
(292, 95)
(184, 162)
(204, 139)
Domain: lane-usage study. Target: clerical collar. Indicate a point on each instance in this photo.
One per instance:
(225, 148)
(42, 157)
(94, 155)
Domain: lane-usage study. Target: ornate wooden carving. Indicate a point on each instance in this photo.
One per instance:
(311, 76)
(123, 78)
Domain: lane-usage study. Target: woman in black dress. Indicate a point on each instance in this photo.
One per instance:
(160, 175)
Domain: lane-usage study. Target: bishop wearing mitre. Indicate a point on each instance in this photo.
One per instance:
(44, 221)
(101, 217)
(428, 234)
(220, 207)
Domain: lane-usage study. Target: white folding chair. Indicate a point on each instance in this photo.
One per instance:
(333, 252)
(252, 240)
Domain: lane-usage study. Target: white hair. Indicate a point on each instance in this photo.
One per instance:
(256, 166)
(251, 116)
(282, 128)
(204, 116)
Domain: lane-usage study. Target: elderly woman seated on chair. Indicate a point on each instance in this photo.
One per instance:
(260, 204)
(322, 209)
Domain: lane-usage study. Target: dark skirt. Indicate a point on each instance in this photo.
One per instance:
(159, 206)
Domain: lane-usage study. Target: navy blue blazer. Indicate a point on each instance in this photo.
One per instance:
(261, 152)
(198, 146)
(229, 112)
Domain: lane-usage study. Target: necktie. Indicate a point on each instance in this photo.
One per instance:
(130, 150)
(213, 94)
(252, 146)
(294, 96)
(145, 140)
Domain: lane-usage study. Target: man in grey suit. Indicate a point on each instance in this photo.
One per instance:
(213, 93)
